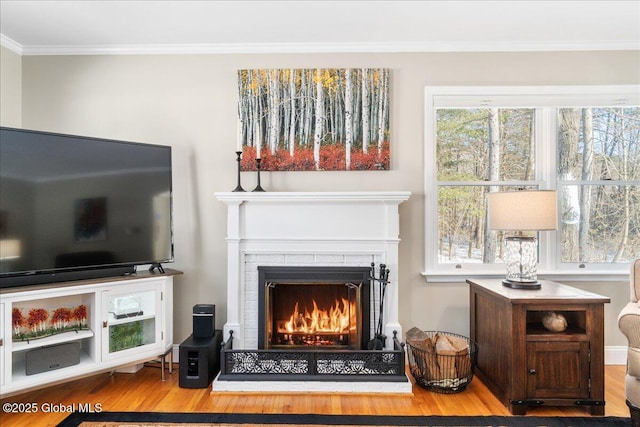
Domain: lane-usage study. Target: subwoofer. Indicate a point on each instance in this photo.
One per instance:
(52, 357)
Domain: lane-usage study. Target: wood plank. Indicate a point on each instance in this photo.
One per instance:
(143, 391)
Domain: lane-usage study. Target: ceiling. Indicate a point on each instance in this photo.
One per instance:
(116, 27)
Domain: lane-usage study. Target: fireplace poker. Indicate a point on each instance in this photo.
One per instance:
(384, 276)
(377, 343)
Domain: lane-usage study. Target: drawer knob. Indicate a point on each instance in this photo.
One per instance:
(532, 371)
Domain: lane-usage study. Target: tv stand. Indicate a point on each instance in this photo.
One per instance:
(158, 266)
(112, 323)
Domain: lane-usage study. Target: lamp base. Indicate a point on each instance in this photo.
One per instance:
(521, 285)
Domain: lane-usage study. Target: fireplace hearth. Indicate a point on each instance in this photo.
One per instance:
(314, 324)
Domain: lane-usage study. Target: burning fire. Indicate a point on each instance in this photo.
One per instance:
(336, 319)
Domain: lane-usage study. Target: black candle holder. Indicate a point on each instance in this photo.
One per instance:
(238, 158)
(258, 187)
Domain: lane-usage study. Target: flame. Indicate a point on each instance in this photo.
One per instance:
(338, 318)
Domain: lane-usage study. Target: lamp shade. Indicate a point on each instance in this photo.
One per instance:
(523, 210)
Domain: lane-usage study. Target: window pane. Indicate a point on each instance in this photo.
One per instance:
(462, 234)
(598, 143)
(485, 144)
(600, 223)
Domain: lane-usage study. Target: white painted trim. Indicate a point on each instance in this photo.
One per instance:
(364, 47)
(11, 44)
(346, 387)
(556, 277)
(307, 197)
(615, 355)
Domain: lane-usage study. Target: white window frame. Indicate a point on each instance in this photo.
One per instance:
(539, 97)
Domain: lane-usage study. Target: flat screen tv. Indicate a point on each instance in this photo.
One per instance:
(75, 207)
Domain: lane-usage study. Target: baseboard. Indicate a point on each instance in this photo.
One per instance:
(615, 355)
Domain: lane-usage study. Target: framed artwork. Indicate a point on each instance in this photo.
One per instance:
(39, 322)
(314, 119)
(90, 219)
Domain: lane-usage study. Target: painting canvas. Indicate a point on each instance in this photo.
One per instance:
(314, 119)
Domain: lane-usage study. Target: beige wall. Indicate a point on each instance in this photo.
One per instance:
(10, 88)
(189, 102)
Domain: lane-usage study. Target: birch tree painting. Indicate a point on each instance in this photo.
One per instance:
(314, 119)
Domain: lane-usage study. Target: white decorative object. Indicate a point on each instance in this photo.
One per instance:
(555, 322)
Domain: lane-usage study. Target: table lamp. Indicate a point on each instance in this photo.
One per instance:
(519, 211)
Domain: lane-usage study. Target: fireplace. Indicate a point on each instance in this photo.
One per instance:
(331, 238)
(314, 307)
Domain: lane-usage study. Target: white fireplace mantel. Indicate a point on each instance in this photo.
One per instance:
(304, 229)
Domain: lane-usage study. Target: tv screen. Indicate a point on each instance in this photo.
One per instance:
(74, 207)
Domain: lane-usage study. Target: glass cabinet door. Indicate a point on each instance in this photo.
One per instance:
(131, 320)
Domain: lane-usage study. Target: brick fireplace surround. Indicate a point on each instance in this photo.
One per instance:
(319, 229)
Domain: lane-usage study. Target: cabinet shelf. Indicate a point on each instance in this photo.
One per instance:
(114, 322)
(51, 340)
(537, 330)
(566, 336)
(576, 320)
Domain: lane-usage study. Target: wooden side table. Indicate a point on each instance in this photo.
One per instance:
(522, 362)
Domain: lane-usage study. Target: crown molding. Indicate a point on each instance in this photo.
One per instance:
(258, 48)
(10, 44)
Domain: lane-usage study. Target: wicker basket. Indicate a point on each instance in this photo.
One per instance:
(443, 373)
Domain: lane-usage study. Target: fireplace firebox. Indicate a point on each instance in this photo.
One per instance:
(314, 308)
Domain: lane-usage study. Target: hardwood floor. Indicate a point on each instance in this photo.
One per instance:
(143, 391)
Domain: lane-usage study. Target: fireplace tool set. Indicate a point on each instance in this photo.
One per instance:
(379, 339)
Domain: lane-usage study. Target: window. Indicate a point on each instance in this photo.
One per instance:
(582, 141)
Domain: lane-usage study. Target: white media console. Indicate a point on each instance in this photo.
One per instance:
(59, 332)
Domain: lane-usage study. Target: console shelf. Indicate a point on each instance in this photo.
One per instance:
(104, 341)
(21, 379)
(51, 340)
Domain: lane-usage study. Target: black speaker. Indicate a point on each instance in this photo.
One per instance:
(199, 360)
(204, 320)
(52, 357)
